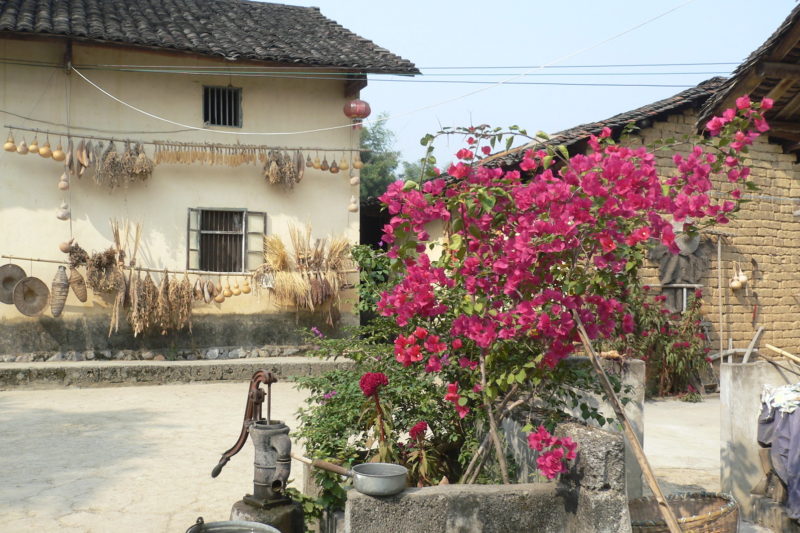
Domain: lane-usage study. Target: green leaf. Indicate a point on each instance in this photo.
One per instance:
(564, 151)
(456, 241)
(547, 161)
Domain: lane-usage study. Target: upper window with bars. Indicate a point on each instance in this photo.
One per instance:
(222, 106)
(225, 240)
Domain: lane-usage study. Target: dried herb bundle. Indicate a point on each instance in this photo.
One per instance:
(100, 271)
(77, 256)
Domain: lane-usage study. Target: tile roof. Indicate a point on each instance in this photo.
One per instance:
(233, 29)
(692, 97)
(736, 84)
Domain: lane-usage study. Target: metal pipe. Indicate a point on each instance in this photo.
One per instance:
(719, 292)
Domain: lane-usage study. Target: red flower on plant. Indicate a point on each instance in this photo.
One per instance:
(370, 382)
(418, 431)
(550, 463)
(540, 440)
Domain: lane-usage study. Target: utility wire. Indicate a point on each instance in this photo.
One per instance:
(488, 86)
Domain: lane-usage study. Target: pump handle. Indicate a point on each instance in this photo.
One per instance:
(252, 413)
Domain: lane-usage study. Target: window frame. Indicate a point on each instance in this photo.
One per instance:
(194, 226)
(236, 114)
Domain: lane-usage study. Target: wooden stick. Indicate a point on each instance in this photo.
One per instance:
(500, 452)
(633, 440)
(752, 344)
(784, 353)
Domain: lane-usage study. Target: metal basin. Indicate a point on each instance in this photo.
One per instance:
(230, 526)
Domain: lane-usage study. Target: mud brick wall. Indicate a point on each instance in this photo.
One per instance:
(765, 243)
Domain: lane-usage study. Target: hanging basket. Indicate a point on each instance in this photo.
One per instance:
(78, 284)
(699, 512)
(59, 291)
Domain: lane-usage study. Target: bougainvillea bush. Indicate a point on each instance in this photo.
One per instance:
(530, 253)
(491, 310)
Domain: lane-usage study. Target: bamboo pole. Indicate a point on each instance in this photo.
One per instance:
(784, 353)
(160, 270)
(633, 440)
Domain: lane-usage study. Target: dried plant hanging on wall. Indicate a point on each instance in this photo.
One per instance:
(309, 280)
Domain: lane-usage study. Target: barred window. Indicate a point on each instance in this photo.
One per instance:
(222, 106)
(225, 240)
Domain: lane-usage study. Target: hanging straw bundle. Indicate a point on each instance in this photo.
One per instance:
(163, 309)
(275, 254)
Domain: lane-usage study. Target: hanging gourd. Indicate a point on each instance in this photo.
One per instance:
(63, 183)
(246, 286)
(353, 207)
(58, 154)
(355, 180)
(45, 150)
(334, 167)
(358, 164)
(34, 146)
(343, 165)
(63, 211)
(324, 166)
(236, 290)
(22, 149)
(309, 163)
(10, 146)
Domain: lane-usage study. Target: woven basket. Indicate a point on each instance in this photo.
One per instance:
(698, 512)
(59, 291)
(78, 284)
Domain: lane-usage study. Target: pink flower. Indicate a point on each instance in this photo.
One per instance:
(466, 363)
(434, 364)
(417, 432)
(550, 463)
(607, 243)
(767, 104)
(454, 397)
(743, 102)
(486, 150)
(371, 382)
(465, 154)
(456, 344)
(605, 133)
(452, 392)
(540, 440)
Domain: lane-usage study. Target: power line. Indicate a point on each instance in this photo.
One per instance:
(488, 85)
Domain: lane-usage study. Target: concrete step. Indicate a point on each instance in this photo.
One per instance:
(55, 375)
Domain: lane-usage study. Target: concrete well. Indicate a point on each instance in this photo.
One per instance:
(589, 498)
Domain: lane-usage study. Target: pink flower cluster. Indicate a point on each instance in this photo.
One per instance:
(409, 349)
(554, 452)
(417, 432)
(453, 396)
(371, 382)
(525, 257)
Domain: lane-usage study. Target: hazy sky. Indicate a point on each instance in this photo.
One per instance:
(520, 33)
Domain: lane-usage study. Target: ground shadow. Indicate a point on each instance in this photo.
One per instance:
(57, 459)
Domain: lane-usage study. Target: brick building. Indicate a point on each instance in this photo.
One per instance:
(764, 239)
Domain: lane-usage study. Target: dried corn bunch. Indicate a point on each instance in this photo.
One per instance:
(163, 316)
(100, 271)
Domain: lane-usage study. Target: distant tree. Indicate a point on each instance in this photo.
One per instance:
(380, 159)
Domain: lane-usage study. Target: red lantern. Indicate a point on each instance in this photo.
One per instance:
(357, 109)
